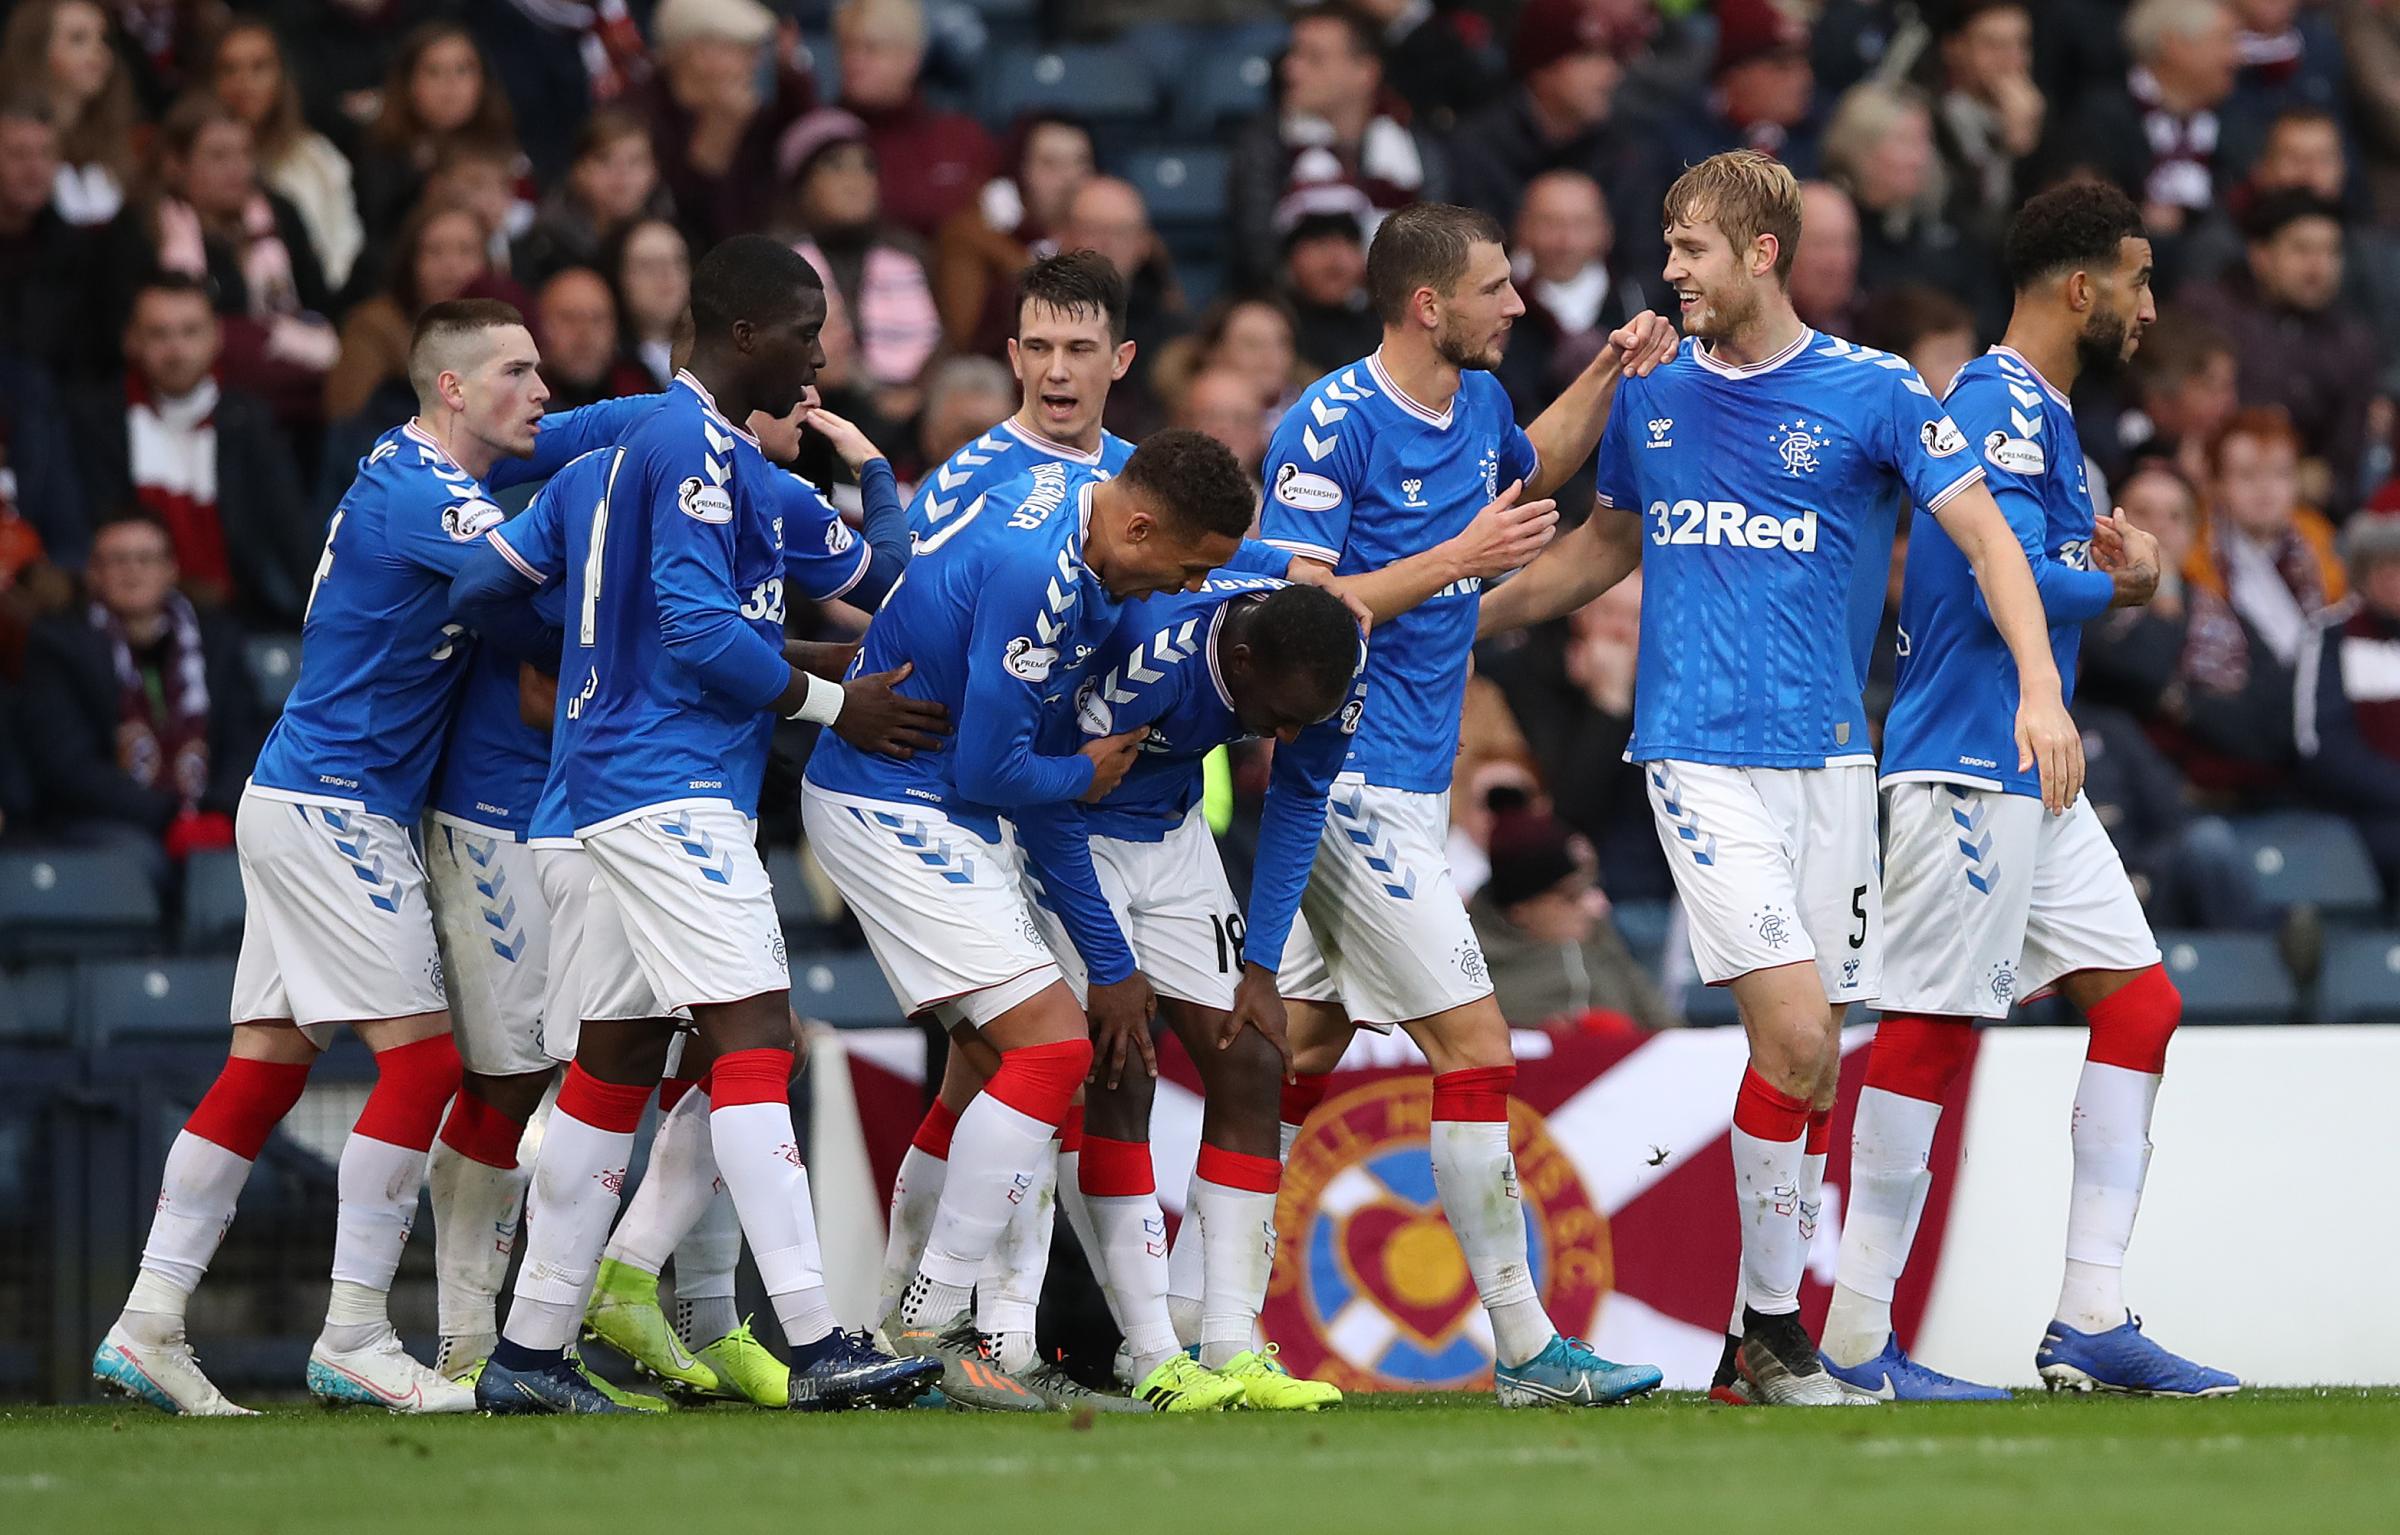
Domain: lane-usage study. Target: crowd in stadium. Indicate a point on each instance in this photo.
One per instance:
(219, 222)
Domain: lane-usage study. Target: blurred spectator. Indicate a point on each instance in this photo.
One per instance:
(2159, 136)
(964, 398)
(1012, 223)
(1824, 280)
(248, 76)
(714, 131)
(1879, 149)
(1325, 279)
(2204, 685)
(1494, 774)
(1225, 405)
(1572, 302)
(1107, 215)
(2289, 58)
(1988, 114)
(2259, 548)
(612, 178)
(880, 313)
(2298, 348)
(59, 51)
(575, 323)
(2185, 388)
(212, 220)
(201, 457)
(1569, 59)
(1251, 338)
(1443, 59)
(2188, 868)
(1554, 958)
(650, 267)
(2370, 37)
(558, 60)
(44, 519)
(61, 287)
(1329, 125)
(937, 160)
(163, 45)
(485, 176)
(437, 91)
(438, 255)
(1925, 325)
(149, 723)
(1763, 88)
(2348, 696)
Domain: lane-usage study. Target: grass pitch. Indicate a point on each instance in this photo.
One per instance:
(2266, 1460)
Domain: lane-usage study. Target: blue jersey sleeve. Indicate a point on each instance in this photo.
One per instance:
(692, 522)
(821, 556)
(1012, 656)
(2015, 460)
(1258, 558)
(567, 435)
(1519, 458)
(1290, 826)
(438, 533)
(884, 525)
(1315, 470)
(1613, 477)
(1060, 850)
(1921, 444)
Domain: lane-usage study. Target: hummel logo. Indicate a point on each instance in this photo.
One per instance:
(1409, 488)
(1662, 429)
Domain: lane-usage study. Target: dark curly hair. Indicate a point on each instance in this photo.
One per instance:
(2074, 225)
(1196, 478)
(1306, 629)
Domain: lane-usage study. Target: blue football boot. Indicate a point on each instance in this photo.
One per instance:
(553, 1388)
(843, 1370)
(2123, 1360)
(1568, 1374)
(1892, 1376)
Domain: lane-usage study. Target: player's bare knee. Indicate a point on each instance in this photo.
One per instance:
(1469, 1038)
(1120, 1113)
(277, 1041)
(1045, 1018)
(762, 1022)
(624, 1051)
(516, 1096)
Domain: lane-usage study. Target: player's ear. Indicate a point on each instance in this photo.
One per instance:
(743, 335)
(1764, 252)
(1123, 360)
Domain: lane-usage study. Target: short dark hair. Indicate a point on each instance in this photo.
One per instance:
(1306, 628)
(2277, 211)
(1196, 478)
(1424, 245)
(1365, 35)
(1962, 14)
(166, 280)
(1075, 283)
(2074, 225)
(749, 277)
(442, 325)
(138, 516)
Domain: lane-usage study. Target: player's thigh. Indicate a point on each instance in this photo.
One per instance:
(1470, 1037)
(493, 925)
(1178, 911)
(2084, 913)
(1734, 865)
(1241, 1079)
(943, 906)
(1831, 813)
(697, 909)
(1319, 1033)
(338, 928)
(1386, 913)
(1959, 869)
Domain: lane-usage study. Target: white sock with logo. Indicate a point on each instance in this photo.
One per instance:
(2111, 1135)
(1891, 1141)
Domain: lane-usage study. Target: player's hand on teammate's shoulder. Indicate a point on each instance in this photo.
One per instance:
(1112, 758)
(1311, 573)
(1506, 534)
(2129, 554)
(1120, 1014)
(2049, 742)
(1642, 344)
(1258, 1004)
(875, 718)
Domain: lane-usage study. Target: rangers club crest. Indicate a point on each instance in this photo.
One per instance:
(1370, 1290)
(1796, 444)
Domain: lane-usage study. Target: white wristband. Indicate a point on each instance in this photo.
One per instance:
(823, 705)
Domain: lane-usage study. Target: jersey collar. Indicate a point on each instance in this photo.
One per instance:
(1723, 369)
(414, 431)
(1055, 449)
(684, 377)
(2018, 358)
(1215, 623)
(1438, 420)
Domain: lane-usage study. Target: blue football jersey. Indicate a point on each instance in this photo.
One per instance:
(493, 763)
(1006, 452)
(1768, 496)
(380, 660)
(1954, 704)
(1359, 475)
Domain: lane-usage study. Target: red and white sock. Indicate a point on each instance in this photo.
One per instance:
(206, 1168)
(677, 1187)
(382, 1169)
(478, 1195)
(1911, 1067)
(1008, 1294)
(1301, 1095)
(1118, 1185)
(578, 1181)
(916, 1193)
(1476, 1176)
(2122, 1068)
(758, 1155)
(1233, 1198)
(1001, 1139)
(1770, 1130)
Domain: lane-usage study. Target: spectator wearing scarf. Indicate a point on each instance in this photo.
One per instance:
(880, 316)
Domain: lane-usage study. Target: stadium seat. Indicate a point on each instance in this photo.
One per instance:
(154, 999)
(847, 991)
(1183, 187)
(274, 661)
(212, 902)
(1710, 1006)
(2230, 978)
(75, 901)
(1644, 926)
(1093, 81)
(37, 1005)
(2360, 980)
(2305, 857)
(1223, 87)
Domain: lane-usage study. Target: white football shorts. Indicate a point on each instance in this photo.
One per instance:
(1174, 907)
(944, 907)
(1775, 866)
(337, 927)
(494, 929)
(588, 977)
(686, 882)
(1991, 900)
(1381, 928)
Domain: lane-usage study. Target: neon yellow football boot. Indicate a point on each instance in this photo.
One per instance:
(625, 1315)
(1184, 1384)
(1269, 1387)
(745, 1371)
(617, 1394)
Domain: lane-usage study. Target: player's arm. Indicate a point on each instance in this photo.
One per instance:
(1564, 435)
(499, 576)
(2013, 470)
(1012, 655)
(1118, 998)
(2046, 736)
(861, 571)
(1576, 568)
(567, 435)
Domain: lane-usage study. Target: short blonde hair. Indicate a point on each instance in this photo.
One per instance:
(1746, 194)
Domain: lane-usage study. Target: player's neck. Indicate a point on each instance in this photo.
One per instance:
(1085, 441)
(2047, 350)
(1766, 334)
(1422, 373)
(470, 452)
(722, 382)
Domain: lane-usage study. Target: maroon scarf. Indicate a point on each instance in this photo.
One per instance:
(162, 736)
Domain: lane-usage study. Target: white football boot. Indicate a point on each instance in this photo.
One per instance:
(382, 1374)
(165, 1375)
